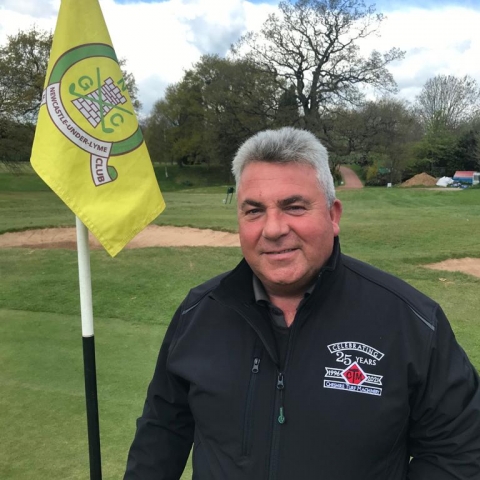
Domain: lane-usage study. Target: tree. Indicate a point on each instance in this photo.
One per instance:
(238, 100)
(394, 130)
(213, 109)
(183, 108)
(467, 151)
(15, 143)
(435, 152)
(288, 114)
(378, 132)
(23, 66)
(448, 101)
(314, 46)
(156, 127)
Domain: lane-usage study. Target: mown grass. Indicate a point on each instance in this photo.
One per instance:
(42, 403)
(42, 406)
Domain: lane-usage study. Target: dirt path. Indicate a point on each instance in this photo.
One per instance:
(350, 179)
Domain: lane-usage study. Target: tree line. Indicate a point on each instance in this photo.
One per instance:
(304, 68)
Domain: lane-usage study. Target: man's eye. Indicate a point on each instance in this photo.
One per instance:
(295, 208)
(253, 211)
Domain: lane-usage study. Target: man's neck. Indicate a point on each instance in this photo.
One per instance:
(288, 305)
(289, 300)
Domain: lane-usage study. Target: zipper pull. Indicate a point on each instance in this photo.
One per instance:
(280, 382)
(281, 386)
(281, 417)
(256, 365)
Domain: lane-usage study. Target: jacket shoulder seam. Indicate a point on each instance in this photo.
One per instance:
(186, 307)
(193, 298)
(189, 307)
(431, 324)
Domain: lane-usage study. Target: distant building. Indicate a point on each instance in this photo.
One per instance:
(467, 177)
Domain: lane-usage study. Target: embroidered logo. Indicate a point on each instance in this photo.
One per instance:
(353, 377)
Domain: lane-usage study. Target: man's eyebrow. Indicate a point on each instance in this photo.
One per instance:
(285, 202)
(251, 203)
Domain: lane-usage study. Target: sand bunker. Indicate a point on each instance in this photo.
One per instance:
(464, 265)
(152, 236)
(156, 236)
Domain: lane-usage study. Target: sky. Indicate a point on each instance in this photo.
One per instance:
(161, 39)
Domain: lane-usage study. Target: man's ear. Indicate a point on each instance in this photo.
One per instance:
(335, 215)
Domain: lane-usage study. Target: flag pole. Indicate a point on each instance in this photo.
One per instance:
(88, 339)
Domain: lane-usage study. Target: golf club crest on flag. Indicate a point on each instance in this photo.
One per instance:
(90, 106)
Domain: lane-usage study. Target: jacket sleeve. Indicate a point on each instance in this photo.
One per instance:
(444, 435)
(164, 434)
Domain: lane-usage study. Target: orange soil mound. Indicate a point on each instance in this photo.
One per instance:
(422, 179)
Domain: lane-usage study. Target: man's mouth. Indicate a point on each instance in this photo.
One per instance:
(279, 252)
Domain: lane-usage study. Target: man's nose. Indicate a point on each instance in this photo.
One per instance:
(275, 225)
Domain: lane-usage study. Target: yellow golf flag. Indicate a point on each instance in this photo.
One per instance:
(88, 146)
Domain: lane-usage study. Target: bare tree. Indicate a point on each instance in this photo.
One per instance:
(447, 101)
(314, 45)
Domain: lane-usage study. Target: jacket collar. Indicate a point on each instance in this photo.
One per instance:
(236, 291)
(237, 285)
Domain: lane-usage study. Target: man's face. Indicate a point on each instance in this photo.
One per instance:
(286, 229)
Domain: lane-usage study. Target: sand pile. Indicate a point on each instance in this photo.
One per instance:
(422, 179)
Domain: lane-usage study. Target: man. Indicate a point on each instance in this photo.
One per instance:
(303, 363)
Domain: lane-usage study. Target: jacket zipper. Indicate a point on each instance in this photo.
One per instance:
(247, 424)
(280, 418)
(281, 386)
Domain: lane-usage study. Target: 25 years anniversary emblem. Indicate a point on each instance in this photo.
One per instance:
(90, 105)
(352, 377)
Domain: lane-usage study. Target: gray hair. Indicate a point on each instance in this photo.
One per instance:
(287, 145)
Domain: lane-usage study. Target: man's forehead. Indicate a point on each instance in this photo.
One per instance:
(258, 172)
(263, 178)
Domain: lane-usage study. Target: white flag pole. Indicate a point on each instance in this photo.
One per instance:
(86, 308)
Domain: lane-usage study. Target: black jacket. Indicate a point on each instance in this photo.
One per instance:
(373, 376)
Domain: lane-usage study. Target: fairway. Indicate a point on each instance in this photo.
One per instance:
(42, 414)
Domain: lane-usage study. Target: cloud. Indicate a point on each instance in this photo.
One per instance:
(23, 15)
(211, 38)
(151, 89)
(33, 8)
(440, 41)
